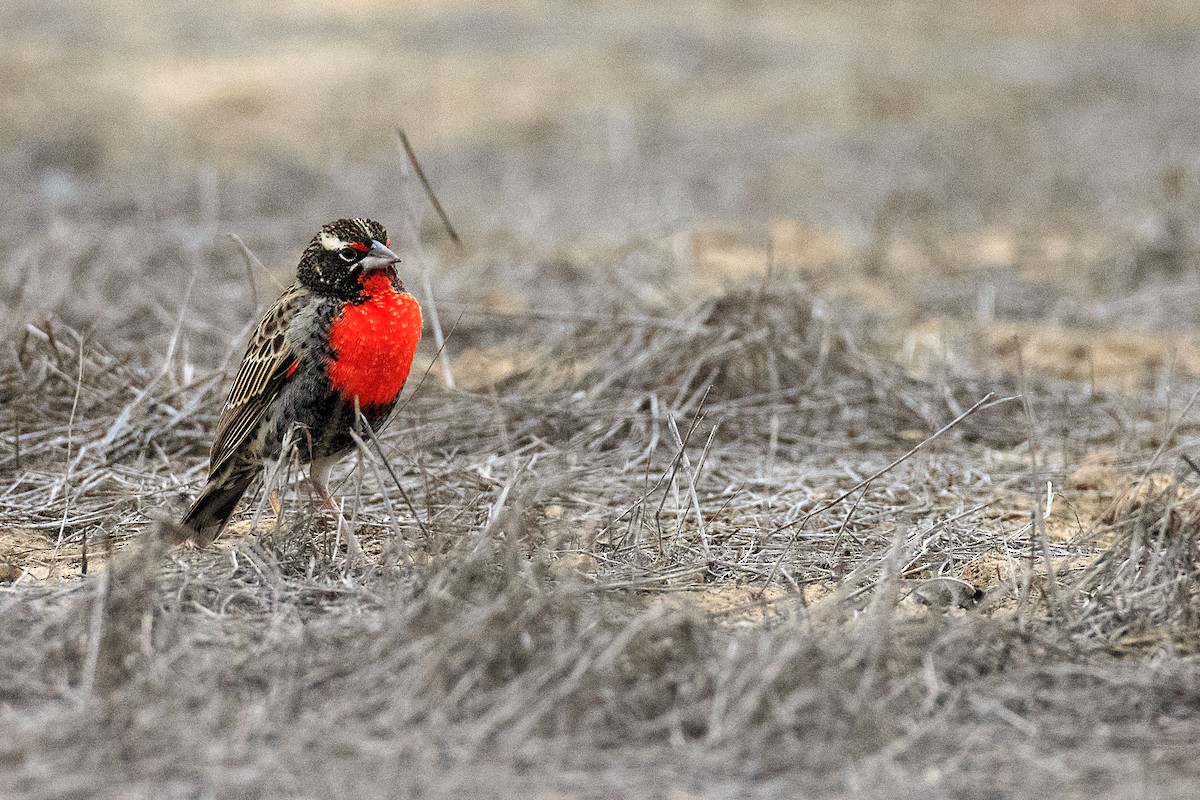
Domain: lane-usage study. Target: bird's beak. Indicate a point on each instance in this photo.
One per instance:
(378, 257)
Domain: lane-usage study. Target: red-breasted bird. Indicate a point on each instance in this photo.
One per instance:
(341, 338)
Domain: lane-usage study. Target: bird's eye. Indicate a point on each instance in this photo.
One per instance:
(348, 254)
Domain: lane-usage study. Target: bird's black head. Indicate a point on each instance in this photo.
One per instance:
(341, 253)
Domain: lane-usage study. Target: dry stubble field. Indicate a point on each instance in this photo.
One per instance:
(725, 265)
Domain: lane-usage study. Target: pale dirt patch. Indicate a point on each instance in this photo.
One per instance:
(1114, 359)
(991, 570)
(247, 527)
(28, 555)
(735, 605)
(720, 254)
(796, 245)
(1117, 359)
(477, 368)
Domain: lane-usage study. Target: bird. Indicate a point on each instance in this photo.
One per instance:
(338, 342)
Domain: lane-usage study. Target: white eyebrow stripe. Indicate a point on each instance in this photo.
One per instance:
(331, 242)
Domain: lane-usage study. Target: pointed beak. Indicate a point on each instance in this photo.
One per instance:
(378, 257)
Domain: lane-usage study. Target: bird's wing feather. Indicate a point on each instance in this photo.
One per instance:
(259, 378)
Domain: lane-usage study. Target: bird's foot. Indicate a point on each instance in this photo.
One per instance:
(355, 556)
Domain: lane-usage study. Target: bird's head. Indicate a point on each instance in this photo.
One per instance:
(342, 254)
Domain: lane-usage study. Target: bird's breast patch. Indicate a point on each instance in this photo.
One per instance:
(373, 344)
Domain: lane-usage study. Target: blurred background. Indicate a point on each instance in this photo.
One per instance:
(1044, 148)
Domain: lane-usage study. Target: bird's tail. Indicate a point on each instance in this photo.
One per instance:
(205, 520)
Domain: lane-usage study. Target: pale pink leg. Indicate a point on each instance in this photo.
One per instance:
(319, 480)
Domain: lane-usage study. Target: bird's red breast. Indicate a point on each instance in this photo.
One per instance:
(373, 343)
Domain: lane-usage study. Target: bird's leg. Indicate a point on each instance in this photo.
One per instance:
(319, 481)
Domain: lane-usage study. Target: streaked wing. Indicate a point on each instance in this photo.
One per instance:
(259, 378)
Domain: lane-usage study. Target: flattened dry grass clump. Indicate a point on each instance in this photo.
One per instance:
(1143, 591)
(745, 355)
(95, 437)
(741, 343)
(66, 388)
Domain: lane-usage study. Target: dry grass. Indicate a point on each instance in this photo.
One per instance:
(699, 501)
